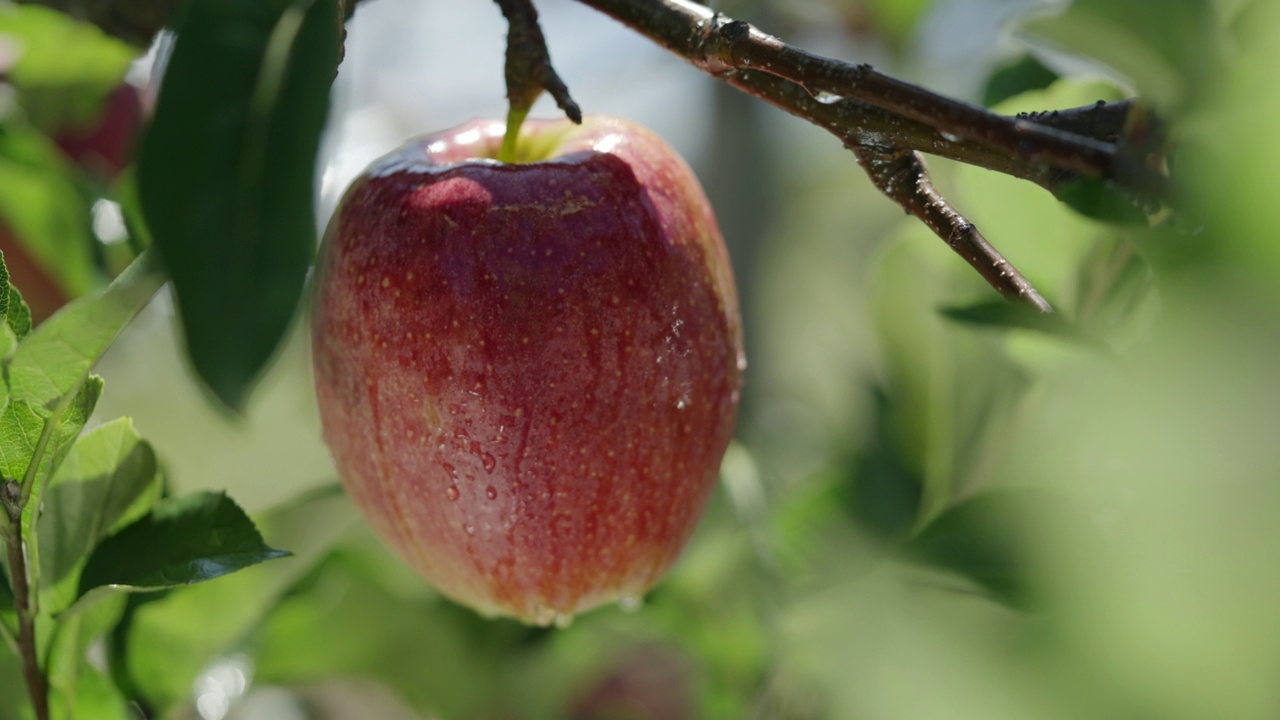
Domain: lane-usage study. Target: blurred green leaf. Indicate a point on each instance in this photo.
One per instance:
(45, 210)
(169, 641)
(12, 688)
(56, 357)
(77, 688)
(1024, 74)
(6, 592)
(226, 175)
(182, 541)
(1016, 316)
(107, 478)
(897, 19)
(978, 539)
(1167, 48)
(883, 493)
(66, 66)
(1098, 199)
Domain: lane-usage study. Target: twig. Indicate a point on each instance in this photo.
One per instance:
(902, 176)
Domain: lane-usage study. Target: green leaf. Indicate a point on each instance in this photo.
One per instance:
(55, 358)
(20, 429)
(976, 539)
(66, 67)
(17, 314)
(171, 640)
(76, 687)
(1169, 49)
(226, 175)
(106, 479)
(1098, 199)
(1024, 74)
(182, 541)
(1009, 316)
(45, 210)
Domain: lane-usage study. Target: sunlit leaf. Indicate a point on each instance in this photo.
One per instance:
(107, 477)
(226, 175)
(56, 357)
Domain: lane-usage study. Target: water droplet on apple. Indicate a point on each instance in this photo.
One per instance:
(469, 529)
(630, 603)
(544, 616)
(491, 493)
(452, 492)
(683, 402)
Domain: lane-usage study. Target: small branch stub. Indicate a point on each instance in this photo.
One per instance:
(528, 72)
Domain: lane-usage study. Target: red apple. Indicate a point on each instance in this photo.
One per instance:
(104, 146)
(528, 373)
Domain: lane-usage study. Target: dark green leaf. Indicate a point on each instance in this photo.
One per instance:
(55, 358)
(185, 540)
(171, 640)
(977, 539)
(226, 175)
(1097, 199)
(1014, 78)
(1008, 315)
(884, 492)
(107, 477)
(66, 66)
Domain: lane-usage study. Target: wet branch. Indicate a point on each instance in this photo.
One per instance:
(885, 121)
(903, 176)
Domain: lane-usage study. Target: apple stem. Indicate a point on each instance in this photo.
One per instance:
(515, 118)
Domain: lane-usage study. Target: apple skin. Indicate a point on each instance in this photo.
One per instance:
(105, 146)
(528, 373)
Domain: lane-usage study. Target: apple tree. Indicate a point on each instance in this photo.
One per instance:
(1026, 471)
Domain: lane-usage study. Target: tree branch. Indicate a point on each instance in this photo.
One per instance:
(886, 122)
(866, 107)
(902, 176)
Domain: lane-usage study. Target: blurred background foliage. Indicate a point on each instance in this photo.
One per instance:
(932, 509)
